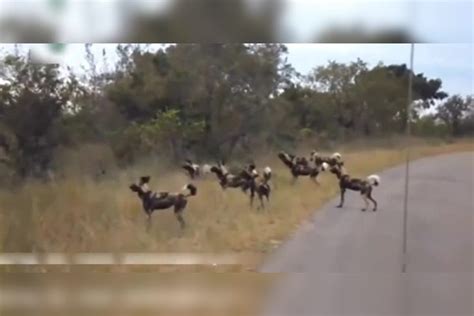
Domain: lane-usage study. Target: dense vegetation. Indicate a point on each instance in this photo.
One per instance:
(205, 102)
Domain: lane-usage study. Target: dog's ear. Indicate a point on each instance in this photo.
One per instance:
(145, 179)
(192, 189)
(133, 187)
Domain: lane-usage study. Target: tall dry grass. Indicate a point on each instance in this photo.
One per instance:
(79, 214)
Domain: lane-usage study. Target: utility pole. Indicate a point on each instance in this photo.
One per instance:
(407, 166)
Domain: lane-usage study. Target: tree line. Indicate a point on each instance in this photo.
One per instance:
(208, 101)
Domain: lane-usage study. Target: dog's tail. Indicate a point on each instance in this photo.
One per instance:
(188, 168)
(324, 166)
(337, 156)
(374, 179)
(217, 171)
(267, 173)
(206, 168)
(285, 158)
(189, 190)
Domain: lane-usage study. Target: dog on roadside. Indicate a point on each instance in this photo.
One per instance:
(365, 187)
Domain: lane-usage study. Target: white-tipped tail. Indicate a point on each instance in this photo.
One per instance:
(373, 179)
(189, 190)
(145, 187)
(224, 169)
(267, 170)
(324, 166)
(287, 156)
(206, 168)
(337, 156)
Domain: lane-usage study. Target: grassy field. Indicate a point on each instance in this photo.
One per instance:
(78, 214)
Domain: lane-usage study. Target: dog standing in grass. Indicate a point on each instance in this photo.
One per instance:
(163, 200)
(257, 184)
(299, 169)
(194, 170)
(262, 186)
(331, 160)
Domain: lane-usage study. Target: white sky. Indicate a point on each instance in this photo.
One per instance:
(429, 20)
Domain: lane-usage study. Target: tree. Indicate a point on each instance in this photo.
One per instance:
(358, 34)
(32, 98)
(365, 101)
(229, 88)
(206, 101)
(338, 81)
(208, 21)
(454, 110)
(383, 98)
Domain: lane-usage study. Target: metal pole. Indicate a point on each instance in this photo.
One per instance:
(407, 167)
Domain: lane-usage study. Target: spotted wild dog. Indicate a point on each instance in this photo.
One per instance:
(363, 186)
(152, 201)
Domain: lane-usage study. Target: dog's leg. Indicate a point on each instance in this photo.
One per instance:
(179, 207)
(179, 217)
(294, 180)
(262, 204)
(364, 197)
(148, 222)
(342, 198)
(315, 179)
(369, 195)
(252, 196)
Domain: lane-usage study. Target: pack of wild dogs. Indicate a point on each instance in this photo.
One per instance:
(253, 182)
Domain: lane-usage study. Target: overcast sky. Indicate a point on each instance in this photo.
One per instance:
(301, 20)
(439, 21)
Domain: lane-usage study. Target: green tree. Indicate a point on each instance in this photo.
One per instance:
(32, 99)
(364, 101)
(338, 80)
(208, 21)
(228, 87)
(453, 111)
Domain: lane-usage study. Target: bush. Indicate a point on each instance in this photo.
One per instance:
(89, 160)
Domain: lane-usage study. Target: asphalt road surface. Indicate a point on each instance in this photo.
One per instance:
(347, 262)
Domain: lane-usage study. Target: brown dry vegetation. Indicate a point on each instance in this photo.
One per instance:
(78, 214)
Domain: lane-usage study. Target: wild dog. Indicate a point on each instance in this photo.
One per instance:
(298, 170)
(331, 161)
(290, 160)
(194, 170)
(262, 186)
(226, 179)
(363, 186)
(163, 200)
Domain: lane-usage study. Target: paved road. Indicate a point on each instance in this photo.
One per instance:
(346, 262)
